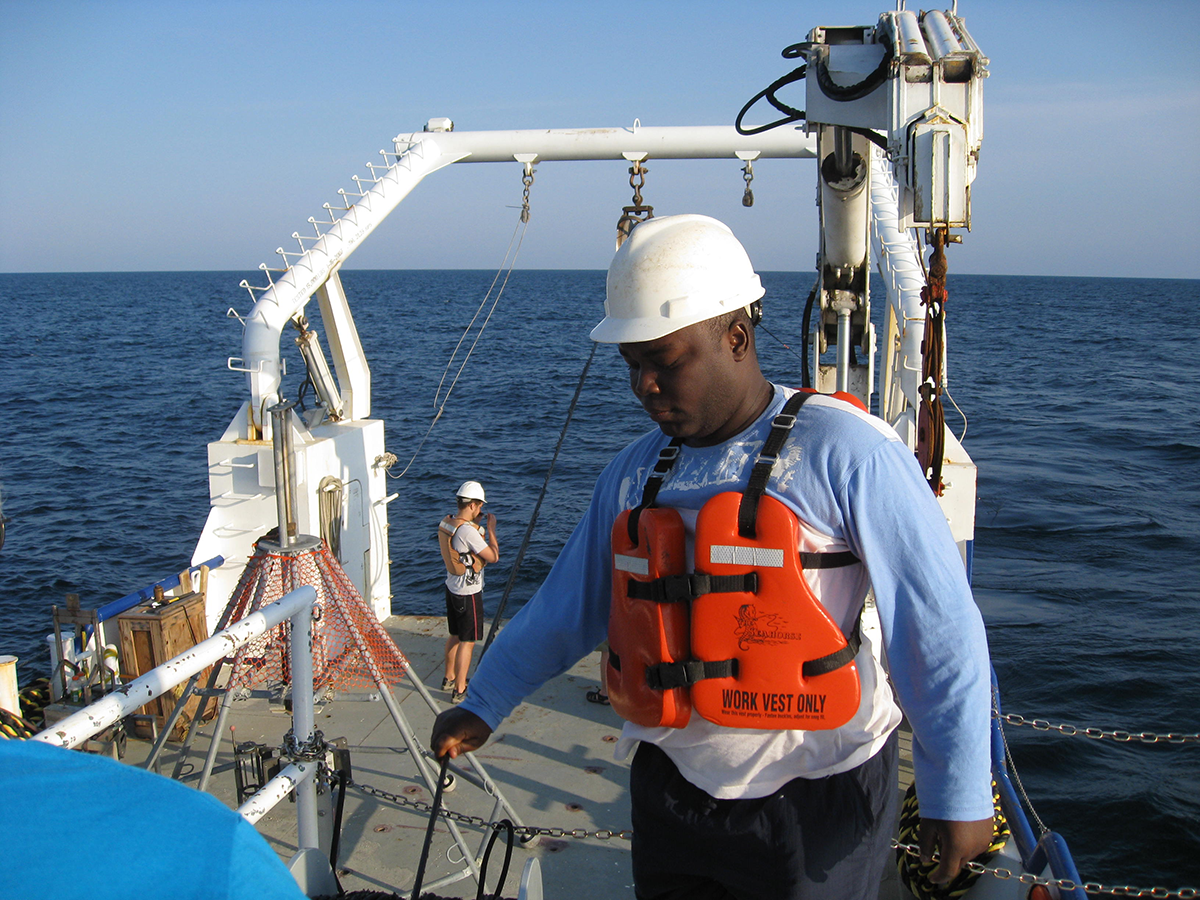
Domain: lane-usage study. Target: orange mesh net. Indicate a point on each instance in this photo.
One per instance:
(350, 648)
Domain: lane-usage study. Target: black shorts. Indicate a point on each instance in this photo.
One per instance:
(464, 615)
(825, 838)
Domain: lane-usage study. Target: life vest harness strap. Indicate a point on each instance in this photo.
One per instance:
(447, 528)
(781, 427)
(666, 676)
(684, 588)
(828, 560)
(666, 459)
(679, 588)
(823, 665)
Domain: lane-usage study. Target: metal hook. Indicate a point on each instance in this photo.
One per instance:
(639, 211)
(526, 159)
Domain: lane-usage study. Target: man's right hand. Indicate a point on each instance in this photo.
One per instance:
(491, 522)
(456, 731)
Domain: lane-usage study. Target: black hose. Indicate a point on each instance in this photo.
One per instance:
(791, 114)
(507, 825)
(805, 377)
(335, 844)
(873, 136)
(846, 93)
(437, 805)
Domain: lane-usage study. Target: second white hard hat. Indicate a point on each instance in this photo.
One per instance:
(672, 272)
(471, 490)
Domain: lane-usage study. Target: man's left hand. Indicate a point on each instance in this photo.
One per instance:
(957, 843)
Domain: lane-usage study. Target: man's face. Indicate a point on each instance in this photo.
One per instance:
(685, 382)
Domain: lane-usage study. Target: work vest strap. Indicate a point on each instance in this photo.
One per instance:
(781, 427)
(666, 459)
(680, 588)
(825, 664)
(724, 584)
(827, 560)
(665, 676)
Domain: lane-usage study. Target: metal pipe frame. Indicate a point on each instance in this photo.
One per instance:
(280, 456)
(627, 143)
(267, 797)
(843, 338)
(116, 607)
(304, 726)
(422, 153)
(126, 700)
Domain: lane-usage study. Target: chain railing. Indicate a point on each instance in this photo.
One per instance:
(1144, 737)
(525, 831)
(1065, 884)
(606, 834)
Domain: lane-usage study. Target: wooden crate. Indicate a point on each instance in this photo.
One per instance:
(154, 632)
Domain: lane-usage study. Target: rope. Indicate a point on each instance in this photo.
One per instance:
(441, 407)
(512, 576)
(914, 874)
(930, 415)
(518, 228)
(1012, 767)
(946, 394)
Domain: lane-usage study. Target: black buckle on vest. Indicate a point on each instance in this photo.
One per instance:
(668, 453)
(784, 421)
(685, 588)
(668, 589)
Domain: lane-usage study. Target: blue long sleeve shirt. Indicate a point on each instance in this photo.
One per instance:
(854, 485)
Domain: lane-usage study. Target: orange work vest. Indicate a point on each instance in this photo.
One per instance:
(743, 639)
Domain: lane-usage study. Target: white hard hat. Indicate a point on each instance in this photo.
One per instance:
(672, 272)
(471, 490)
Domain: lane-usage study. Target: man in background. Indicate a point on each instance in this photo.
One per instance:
(466, 547)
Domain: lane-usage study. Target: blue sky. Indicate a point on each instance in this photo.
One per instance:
(180, 136)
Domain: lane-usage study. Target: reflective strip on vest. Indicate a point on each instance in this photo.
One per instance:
(631, 564)
(733, 555)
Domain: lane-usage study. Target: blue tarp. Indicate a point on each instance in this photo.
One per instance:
(81, 825)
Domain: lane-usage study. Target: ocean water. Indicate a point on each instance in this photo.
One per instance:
(1079, 397)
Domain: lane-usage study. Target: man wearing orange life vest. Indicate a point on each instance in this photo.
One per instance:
(466, 547)
(754, 508)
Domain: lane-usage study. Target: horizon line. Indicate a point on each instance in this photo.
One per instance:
(245, 272)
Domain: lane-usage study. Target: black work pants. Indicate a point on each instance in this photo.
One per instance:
(813, 839)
